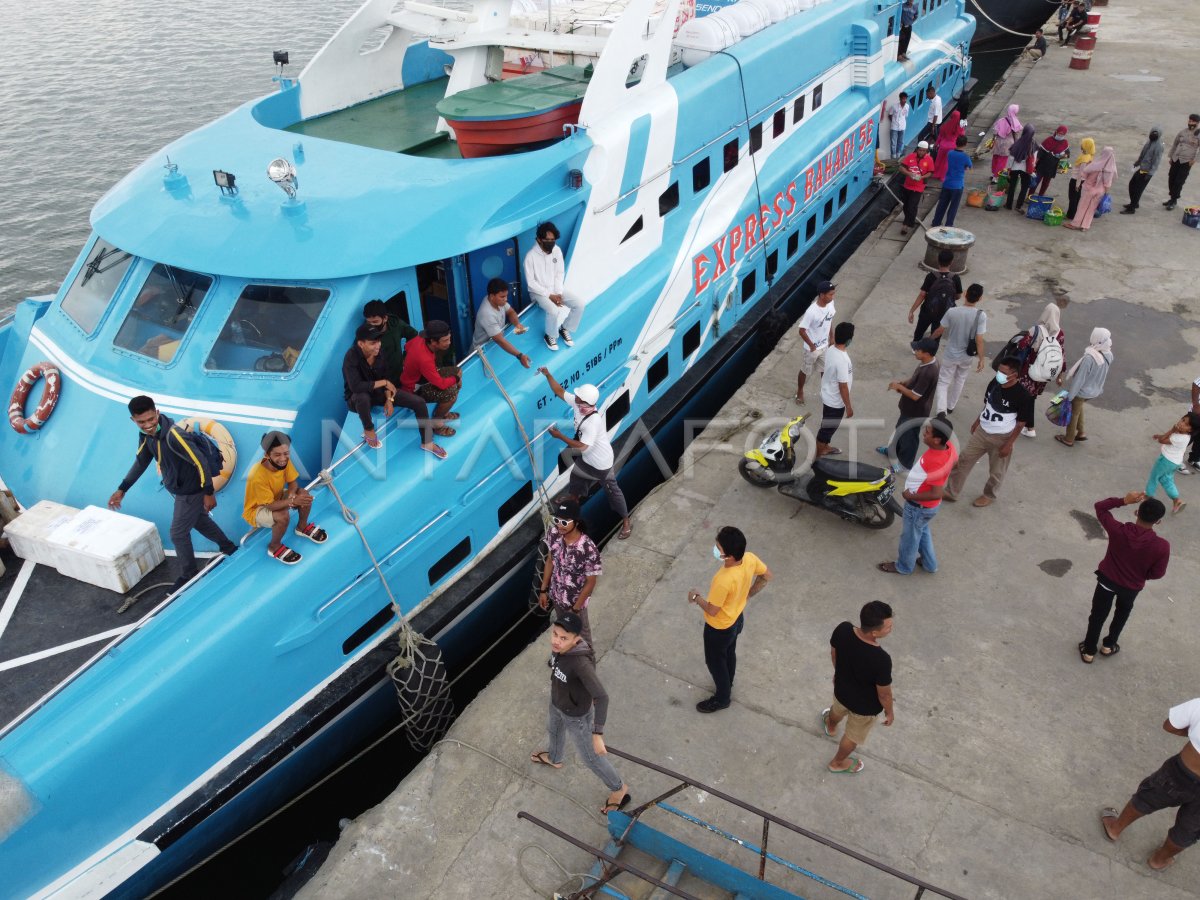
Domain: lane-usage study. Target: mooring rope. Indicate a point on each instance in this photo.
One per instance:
(978, 4)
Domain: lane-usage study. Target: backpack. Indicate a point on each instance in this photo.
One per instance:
(1014, 349)
(940, 296)
(1048, 362)
(204, 447)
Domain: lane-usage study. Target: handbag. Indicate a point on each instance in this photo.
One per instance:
(1059, 410)
(972, 349)
(1105, 206)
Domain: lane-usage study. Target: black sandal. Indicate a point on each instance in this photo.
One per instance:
(1105, 650)
(614, 807)
(542, 758)
(1084, 655)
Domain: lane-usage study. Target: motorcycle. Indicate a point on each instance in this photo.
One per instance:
(855, 491)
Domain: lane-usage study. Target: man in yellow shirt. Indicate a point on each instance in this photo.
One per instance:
(272, 492)
(741, 576)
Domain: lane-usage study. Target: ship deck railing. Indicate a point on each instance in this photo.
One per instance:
(628, 830)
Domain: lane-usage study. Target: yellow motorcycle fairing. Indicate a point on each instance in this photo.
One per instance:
(846, 488)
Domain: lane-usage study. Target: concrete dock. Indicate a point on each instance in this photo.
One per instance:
(1005, 746)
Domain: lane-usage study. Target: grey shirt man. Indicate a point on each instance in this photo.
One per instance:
(960, 325)
(489, 322)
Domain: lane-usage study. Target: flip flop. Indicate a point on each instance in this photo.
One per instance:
(1179, 508)
(613, 807)
(1108, 813)
(1080, 437)
(439, 452)
(834, 451)
(1170, 862)
(374, 443)
(450, 416)
(857, 766)
(888, 567)
(1085, 656)
(625, 533)
(825, 723)
(445, 431)
(542, 758)
(1062, 440)
(313, 533)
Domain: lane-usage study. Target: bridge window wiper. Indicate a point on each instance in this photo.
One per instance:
(105, 259)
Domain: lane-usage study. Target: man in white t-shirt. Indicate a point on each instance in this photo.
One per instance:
(836, 381)
(935, 114)
(1176, 783)
(544, 272)
(594, 462)
(962, 329)
(814, 334)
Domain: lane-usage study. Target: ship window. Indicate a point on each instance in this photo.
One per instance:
(268, 328)
(514, 504)
(817, 91)
(668, 199)
(700, 176)
(749, 286)
(617, 410)
(772, 263)
(633, 229)
(95, 285)
(828, 214)
(798, 109)
(793, 244)
(658, 371)
(162, 312)
(779, 123)
(756, 138)
(731, 154)
(945, 75)
(446, 564)
(842, 196)
(891, 26)
(811, 228)
(368, 628)
(691, 339)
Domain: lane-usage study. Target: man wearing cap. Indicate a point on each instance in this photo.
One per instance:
(741, 576)
(272, 492)
(578, 709)
(814, 334)
(595, 460)
(916, 400)
(917, 168)
(1182, 157)
(432, 383)
(393, 332)
(572, 565)
(491, 317)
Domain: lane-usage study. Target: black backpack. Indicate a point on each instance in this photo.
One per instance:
(204, 447)
(940, 296)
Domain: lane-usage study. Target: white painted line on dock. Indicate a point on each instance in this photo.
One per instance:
(14, 594)
(63, 648)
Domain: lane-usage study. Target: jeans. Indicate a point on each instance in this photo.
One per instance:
(190, 513)
(362, 402)
(584, 476)
(1176, 177)
(897, 146)
(1162, 474)
(952, 378)
(720, 655)
(559, 725)
(916, 539)
(912, 199)
(1137, 186)
(947, 206)
(1102, 603)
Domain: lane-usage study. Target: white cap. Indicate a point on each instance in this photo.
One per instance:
(588, 393)
(922, 145)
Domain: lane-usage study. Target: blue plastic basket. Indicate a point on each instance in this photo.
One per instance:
(1037, 205)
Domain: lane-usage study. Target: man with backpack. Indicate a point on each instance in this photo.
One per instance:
(187, 461)
(939, 292)
(963, 328)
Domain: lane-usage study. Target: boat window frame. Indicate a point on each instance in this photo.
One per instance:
(214, 283)
(118, 289)
(318, 325)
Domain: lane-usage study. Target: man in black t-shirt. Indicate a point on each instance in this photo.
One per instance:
(916, 400)
(862, 683)
(939, 292)
(1007, 406)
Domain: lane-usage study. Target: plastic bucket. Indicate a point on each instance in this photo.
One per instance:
(1002, 181)
(994, 201)
(1054, 216)
(1037, 205)
(976, 197)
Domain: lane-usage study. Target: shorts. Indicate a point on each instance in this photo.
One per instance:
(264, 517)
(831, 418)
(810, 360)
(1173, 785)
(857, 726)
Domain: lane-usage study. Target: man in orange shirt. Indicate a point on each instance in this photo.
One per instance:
(917, 167)
(741, 576)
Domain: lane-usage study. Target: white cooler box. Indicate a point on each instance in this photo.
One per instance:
(105, 548)
(28, 533)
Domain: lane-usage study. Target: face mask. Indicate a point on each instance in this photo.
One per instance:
(1001, 378)
(717, 553)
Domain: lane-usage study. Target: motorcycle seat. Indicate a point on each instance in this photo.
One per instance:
(847, 470)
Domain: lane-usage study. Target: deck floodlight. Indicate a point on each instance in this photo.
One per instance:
(283, 173)
(226, 181)
(280, 57)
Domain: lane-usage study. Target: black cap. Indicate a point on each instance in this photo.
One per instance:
(568, 621)
(825, 287)
(366, 332)
(566, 509)
(929, 345)
(436, 329)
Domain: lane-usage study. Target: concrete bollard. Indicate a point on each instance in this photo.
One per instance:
(957, 240)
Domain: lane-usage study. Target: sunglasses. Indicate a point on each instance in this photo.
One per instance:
(561, 523)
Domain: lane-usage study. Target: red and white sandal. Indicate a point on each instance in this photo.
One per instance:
(285, 555)
(313, 533)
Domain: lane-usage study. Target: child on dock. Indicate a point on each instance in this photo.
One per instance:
(1174, 444)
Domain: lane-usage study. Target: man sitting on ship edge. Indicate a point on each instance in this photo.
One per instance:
(272, 492)
(544, 271)
(393, 332)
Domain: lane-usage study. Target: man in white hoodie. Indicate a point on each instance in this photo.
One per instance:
(544, 270)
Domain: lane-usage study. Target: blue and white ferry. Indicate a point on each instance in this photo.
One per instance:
(707, 162)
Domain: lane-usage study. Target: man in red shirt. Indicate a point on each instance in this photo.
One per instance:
(917, 167)
(1135, 555)
(422, 376)
(922, 496)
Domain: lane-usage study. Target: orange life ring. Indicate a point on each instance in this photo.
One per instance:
(16, 403)
(224, 441)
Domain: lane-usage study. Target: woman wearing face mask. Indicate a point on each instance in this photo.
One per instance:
(1053, 149)
(1047, 328)
(1144, 169)
(1086, 379)
(572, 566)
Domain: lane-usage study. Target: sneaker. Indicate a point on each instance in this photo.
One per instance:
(552, 343)
(711, 705)
(566, 336)
(1184, 470)
(1029, 432)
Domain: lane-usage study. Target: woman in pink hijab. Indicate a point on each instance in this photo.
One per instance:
(1098, 177)
(1006, 130)
(947, 140)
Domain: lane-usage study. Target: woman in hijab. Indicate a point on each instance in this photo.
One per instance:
(1098, 177)
(1053, 149)
(1087, 153)
(1046, 329)
(947, 140)
(1144, 169)
(1020, 167)
(1087, 382)
(1004, 133)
